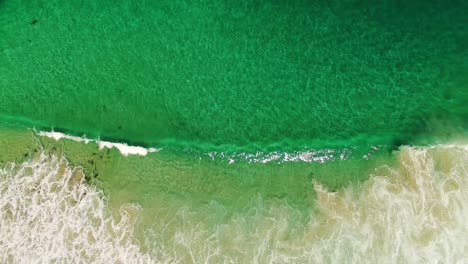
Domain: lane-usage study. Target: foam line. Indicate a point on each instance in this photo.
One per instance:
(122, 147)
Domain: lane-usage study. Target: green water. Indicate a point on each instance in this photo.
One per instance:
(264, 112)
(262, 76)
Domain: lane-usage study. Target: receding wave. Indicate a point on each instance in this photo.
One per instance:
(49, 215)
(412, 212)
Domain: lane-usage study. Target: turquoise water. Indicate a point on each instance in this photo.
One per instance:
(298, 75)
(287, 131)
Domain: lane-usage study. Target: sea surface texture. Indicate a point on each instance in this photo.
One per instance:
(274, 131)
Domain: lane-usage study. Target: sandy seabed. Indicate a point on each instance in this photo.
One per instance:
(415, 212)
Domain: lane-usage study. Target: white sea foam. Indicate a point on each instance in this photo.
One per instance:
(308, 156)
(122, 147)
(49, 215)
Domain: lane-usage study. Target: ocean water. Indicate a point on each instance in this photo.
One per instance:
(285, 131)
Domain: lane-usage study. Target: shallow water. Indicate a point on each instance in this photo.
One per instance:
(410, 211)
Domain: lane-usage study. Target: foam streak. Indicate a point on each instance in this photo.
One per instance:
(122, 147)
